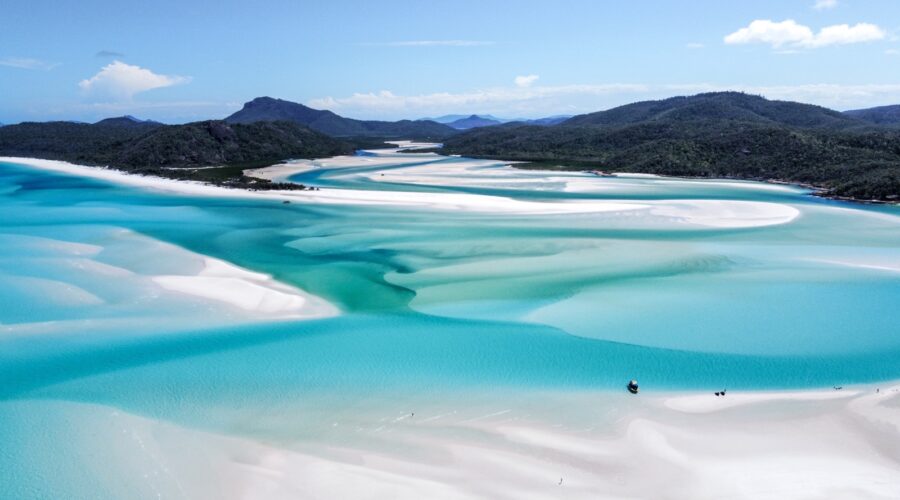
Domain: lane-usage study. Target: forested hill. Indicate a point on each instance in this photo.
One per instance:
(268, 109)
(173, 150)
(219, 143)
(729, 106)
(710, 135)
(882, 115)
(64, 140)
(148, 146)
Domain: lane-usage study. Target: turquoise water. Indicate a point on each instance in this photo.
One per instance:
(432, 300)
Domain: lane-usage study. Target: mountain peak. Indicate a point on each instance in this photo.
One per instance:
(473, 121)
(127, 121)
(264, 100)
(263, 109)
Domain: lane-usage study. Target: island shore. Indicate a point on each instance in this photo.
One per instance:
(696, 213)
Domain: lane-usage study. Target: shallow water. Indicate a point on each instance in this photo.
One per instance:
(433, 300)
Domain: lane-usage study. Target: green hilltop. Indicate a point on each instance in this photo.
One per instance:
(725, 134)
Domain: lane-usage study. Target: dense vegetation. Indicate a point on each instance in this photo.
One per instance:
(729, 106)
(77, 142)
(217, 143)
(882, 115)
(269, 109)
(711, 135)
(172, 150)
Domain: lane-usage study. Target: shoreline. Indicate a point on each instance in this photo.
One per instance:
(277, 174)
(693, 213)
(817, 191)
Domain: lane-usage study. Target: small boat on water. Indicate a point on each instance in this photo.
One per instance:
(601, 173)
(633, 387)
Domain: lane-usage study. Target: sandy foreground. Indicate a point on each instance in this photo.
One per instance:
(769, 445)
(692, 213)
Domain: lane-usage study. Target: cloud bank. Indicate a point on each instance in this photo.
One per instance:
(536, 100)
(790, 34)
(118, 81)
(387, 102)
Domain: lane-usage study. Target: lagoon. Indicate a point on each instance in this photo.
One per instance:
(413, 282)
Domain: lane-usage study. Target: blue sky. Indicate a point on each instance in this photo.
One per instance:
(178, 61)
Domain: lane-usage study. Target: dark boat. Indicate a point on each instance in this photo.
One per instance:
(633, 387)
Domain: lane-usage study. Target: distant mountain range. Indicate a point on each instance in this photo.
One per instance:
(725, 134)
(128, 121)
(473, 121)
(466, 122)
(882, 115)
(269, 109)
(548, 121)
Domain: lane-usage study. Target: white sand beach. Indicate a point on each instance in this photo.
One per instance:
(282, 171)
(697, 213)
(803, 444)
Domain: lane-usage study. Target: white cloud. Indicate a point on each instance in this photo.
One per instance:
(434, 43)
(505, 98)
(525, 81)
(825, 4)
(695, 45)
(791, 34)
(118, 81)
(26, 63)
(841, 34)
(775, 34)
(549, 100)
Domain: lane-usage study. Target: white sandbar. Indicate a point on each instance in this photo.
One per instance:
(800, 444)
(699, 213)
(256, 292)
